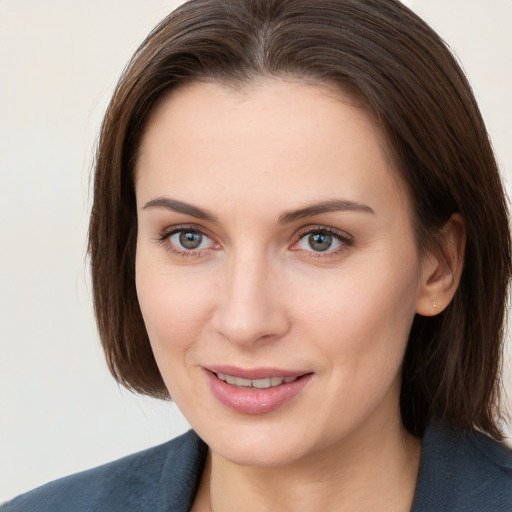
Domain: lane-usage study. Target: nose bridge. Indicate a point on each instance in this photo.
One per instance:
(248, 306)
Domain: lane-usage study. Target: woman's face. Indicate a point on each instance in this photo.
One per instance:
(276, 268)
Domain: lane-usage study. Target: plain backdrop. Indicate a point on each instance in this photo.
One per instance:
(60, 411)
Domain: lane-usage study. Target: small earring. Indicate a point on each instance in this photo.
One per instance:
(434, 304)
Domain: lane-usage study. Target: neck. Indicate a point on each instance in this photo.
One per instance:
(369, 471)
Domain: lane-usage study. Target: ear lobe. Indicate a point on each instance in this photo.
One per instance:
(442, 269)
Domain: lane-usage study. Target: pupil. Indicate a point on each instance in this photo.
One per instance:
(320, 241)
(190, 240)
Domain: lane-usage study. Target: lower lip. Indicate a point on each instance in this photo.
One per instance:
(253, 400)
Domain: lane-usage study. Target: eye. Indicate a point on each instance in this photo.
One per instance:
(189, 240)
(186, 240)
(322, 241)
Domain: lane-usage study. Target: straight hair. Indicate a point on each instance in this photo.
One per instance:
(388, 59)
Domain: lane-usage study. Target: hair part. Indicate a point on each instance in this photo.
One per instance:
(385, 57)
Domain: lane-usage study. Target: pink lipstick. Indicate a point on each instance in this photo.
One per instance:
(255, 391)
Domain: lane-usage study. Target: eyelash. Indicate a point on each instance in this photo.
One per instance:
(164, 239)
(344, 239)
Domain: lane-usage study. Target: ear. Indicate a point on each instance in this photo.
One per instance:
(442, 269)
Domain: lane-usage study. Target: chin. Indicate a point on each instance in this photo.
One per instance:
(258, 443)
(257, 454)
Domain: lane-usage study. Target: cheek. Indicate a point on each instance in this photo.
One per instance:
(175, 308)
(175, 305)
(361, 327)
(364, 314)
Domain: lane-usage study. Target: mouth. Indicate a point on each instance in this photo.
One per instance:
(266, 383)
(256, 391)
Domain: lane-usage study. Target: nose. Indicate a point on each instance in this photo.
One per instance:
(250, 305)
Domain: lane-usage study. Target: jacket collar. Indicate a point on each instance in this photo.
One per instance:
(463, 472)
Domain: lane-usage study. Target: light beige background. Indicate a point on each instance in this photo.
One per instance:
(60, 411)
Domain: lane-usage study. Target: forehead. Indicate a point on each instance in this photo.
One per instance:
(285, 141)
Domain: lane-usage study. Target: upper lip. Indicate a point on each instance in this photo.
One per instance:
(254, 373)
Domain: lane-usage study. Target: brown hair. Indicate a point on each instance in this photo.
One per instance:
(388, 58)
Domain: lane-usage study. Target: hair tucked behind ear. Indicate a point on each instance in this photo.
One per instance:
(395, 65)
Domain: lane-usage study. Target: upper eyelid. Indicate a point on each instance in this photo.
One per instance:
(320, 228)
(171, 230)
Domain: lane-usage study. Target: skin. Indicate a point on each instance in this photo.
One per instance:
(257, 294)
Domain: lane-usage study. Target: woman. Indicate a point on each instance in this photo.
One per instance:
(300, 235)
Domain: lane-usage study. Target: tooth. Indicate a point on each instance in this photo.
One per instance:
(262, 383)
(241, 382)
(269, 382)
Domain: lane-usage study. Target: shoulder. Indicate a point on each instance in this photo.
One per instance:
(463, 471)
(138, 482)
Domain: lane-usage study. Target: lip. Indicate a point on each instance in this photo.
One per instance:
(252, 400)
(255, 373)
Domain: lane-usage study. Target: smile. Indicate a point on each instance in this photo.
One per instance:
(269, 382)
(256, 391)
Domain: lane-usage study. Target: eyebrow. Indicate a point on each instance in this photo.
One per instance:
(286, 217)
(336, 205)
(180, 207)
